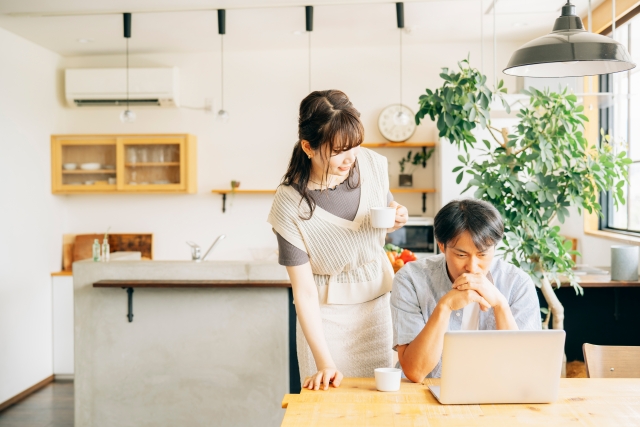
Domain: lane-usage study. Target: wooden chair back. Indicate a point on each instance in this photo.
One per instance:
(603, 361)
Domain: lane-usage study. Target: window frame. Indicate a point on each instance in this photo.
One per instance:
(605, 121)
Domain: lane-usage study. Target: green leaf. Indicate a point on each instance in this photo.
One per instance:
(531, 186)
(448, 119)
(459, 178)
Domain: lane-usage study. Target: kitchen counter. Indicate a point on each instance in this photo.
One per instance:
(208, 343)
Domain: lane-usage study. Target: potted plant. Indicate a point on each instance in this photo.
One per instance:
(532, 173)
(410, 163)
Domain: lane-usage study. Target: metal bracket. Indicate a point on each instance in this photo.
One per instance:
(130, 303)
(224, 202)
(424, 162)
(424, 202)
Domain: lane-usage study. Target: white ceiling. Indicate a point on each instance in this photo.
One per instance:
(191, 25)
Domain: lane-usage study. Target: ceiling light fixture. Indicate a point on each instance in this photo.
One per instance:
(570, 51)
(308, 13)
(401, 117)
(127, 116)
(223, 115)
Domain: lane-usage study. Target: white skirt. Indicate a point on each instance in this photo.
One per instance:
(359, 337)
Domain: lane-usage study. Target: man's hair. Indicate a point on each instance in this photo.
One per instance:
(479, 218)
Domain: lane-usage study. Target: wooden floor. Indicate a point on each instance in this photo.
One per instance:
(51, 406)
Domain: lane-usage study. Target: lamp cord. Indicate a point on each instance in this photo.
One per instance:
(400, 69)
(482, 36)
(495, 77)
(222, 71)
(127, 73)
(309, 32)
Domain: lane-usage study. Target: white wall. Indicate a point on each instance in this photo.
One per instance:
(31, 219)
(263, 89)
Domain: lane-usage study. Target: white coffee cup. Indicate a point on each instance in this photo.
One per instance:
(387, 379)
(383, 217)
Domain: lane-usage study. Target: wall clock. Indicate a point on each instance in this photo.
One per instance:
(397, 123)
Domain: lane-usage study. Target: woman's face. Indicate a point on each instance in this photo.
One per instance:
(340, 163)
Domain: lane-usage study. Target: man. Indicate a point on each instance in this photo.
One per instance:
(464, 287)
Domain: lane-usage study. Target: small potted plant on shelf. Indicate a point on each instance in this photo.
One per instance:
(410, 163)
(234, 185)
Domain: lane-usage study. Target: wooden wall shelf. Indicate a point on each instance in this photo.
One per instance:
(423, 191)
(222, 191)
(398, 144)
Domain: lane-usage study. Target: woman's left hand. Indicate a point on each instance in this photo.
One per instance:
(402, 214)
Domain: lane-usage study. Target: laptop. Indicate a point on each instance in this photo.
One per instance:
(500, 367)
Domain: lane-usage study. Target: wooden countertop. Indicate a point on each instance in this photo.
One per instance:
(581, 402)
(192, 284)
(602, 281)
(62, 273)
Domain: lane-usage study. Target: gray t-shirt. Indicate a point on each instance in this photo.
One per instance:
(340, 201)
(420, 284)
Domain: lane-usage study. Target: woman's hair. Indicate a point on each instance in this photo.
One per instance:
(481, 219)
(331, 124)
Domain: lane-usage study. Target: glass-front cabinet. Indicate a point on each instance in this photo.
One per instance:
(123, 163)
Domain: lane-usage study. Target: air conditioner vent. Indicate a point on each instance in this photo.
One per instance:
(115, 102)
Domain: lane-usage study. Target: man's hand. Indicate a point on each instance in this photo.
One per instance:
(479, 283)
(455, 300)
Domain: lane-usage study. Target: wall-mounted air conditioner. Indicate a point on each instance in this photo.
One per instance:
(108, 86)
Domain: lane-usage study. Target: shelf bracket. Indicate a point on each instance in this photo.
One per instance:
(224, 202)
(424, 202)
(130, 304)
(424, 161)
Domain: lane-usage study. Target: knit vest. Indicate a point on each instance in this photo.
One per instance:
(347, 258)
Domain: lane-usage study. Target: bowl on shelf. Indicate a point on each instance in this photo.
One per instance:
(69, 166)
(90, 166)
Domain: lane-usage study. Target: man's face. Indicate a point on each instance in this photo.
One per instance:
(462, 256)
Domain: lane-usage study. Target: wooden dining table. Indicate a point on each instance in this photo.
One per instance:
(581, 402)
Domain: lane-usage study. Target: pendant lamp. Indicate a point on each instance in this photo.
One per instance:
(223, 115)
(308, 11)
(400, 118)
(127, 116)
(569, 51)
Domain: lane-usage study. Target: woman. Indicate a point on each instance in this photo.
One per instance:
(339, 272)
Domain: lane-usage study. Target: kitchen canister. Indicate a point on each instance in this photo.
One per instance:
(624, 262)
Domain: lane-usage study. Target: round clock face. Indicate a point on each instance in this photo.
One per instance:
(397, 123)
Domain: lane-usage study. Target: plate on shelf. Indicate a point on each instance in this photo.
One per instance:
(89, 166)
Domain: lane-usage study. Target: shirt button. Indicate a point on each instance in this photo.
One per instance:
(458, 314)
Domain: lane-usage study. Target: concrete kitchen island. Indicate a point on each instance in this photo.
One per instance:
(215, 354)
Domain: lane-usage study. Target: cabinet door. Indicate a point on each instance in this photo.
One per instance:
(150, 164)
(62, 294)
(83, 164)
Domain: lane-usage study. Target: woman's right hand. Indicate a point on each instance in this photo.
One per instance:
(323, 378)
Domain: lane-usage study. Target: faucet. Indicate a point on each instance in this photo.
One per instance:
(195, 249)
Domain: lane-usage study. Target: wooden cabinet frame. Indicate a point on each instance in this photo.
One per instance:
(187, 163)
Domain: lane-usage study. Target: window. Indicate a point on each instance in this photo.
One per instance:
(619, 116)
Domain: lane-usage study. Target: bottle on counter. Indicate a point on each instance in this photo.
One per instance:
(105, 250)
(105, 246)
(96, 250)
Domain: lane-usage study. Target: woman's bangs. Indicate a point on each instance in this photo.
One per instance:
(345, 132)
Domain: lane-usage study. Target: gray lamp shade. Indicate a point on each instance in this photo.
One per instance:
(569, 51)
